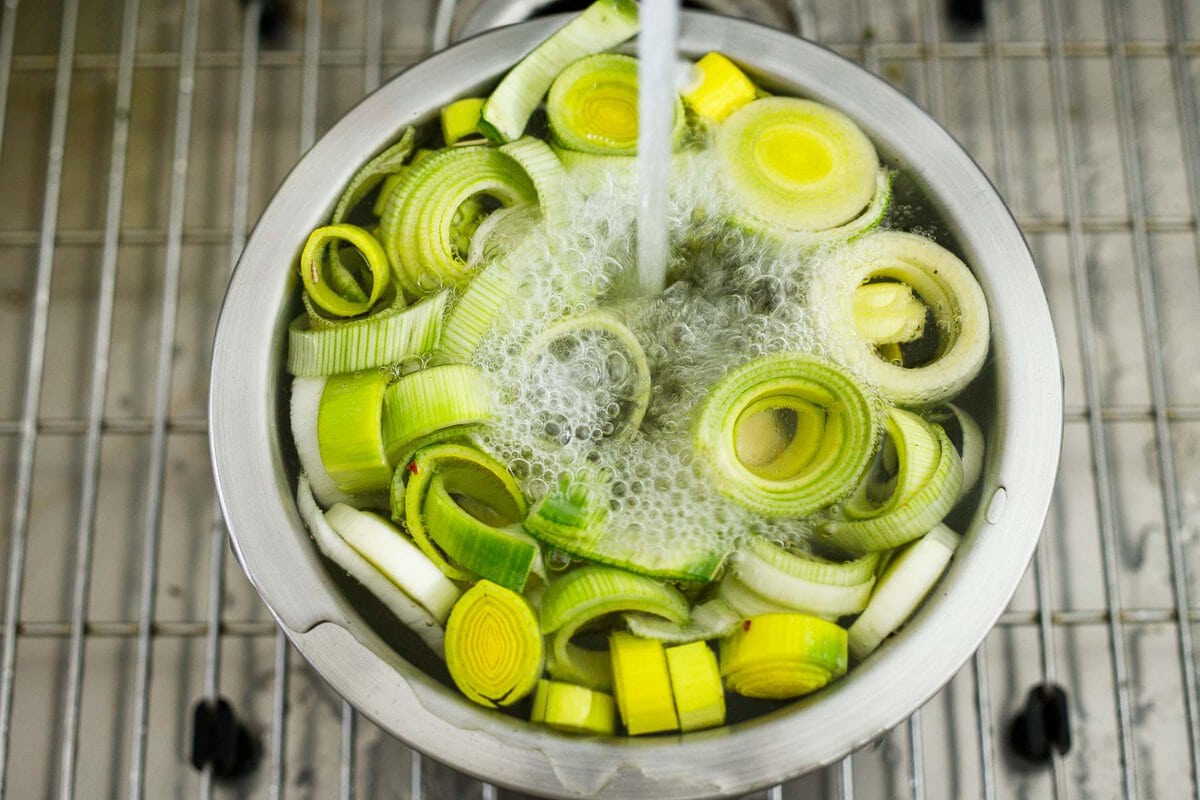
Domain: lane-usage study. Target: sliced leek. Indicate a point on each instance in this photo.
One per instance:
(603, 24)
(349, 431)
(710, 620)
(389, 162)
(887, 312)
(642, 684)
(385, 338)
(717, 88)
(696, 685)
(388, 550)
(335, 548)
(305, 405)
(832, 426)
(460, 119)
(546, 172)
(944, 285)
(797, 165)
(450, 398)
(908, 578)
(493, 649)
(779, 656)
(589, 593)
(478, 306)
(801, 582)
(574, 709)
(967, 437)
(330, 286)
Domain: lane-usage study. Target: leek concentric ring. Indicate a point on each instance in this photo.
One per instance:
(330, 286)
(493, 649)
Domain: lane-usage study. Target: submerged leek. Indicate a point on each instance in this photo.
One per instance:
(493, 647)
(779, 656)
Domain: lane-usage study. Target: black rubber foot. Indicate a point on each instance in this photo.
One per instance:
(273, 19)
(967, 13)
(1044, 724)
(218, 739)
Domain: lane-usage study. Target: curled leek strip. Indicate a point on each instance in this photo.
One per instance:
(717, 88)
(642, 684)
(593, 106)
(574, 709)
(384, 338)
(696, 684)
(546, 172)
(591, 592)
(389, 162)
(710, 620)
(349, 433)
(460, 119)
(797, 165)
(471, 474)
(435, 402)
(478, 306)
(335, 548)
(305, 403)
(943, 284)
(800, 582)
(603, 24)
(887, 312)
(928, 476)
(828, 435)
(967, 437)
(493, 649)
(431, 215)
(778, 656)
(908, 578)
(334, 289)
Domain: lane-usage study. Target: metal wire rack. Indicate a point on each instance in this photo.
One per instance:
(140, 138)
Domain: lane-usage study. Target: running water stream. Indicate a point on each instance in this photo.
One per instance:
(656, 110)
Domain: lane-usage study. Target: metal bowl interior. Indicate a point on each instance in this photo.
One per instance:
(382, 672)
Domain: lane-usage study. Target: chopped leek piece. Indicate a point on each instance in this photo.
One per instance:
(546, 172)
(341, 295)
(349, 431)
(967, 438)
(779, 656)
(460, 119)
(832, 425)
(718, 88)
(478, 306)
(603, 24)
(887, 312)
(696, 684)
(452, 398)
(305, 405)
(710, 620)
(908, 578)
(387, 163)
(642, 684)
(493, 648)
(574, 709)
(800, 582)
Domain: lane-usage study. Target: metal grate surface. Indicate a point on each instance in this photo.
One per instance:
(140, 138)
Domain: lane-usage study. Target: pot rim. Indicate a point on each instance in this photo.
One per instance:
(256, 488)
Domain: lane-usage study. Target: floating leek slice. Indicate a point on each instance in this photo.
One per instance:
(593, 106)
(430, 216)
(460, 119)
(964, 432)
(478, 306)
(331, 287)
(589, 593)
(385, 338)
(908, 578)
(471, 474)
(887, 312)
(388, 550)
(943, 284)
(642, 684)
(436, 402)
(349, 431)
(778, 656)
(696, 684)
(928, 477)
(830, 426)
(407, 610)
(710, 620)
(305, 405)
(603, 24)
(718, 88)
(797, 165)
(800, 582)
(493, 648)
(574, 709)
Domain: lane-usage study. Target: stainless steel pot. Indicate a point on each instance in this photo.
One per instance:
(348, 642)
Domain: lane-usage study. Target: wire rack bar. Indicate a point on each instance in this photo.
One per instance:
(373, 51)
(8, 24)
(99, 382)
(1185, 103)
(916, 758)
(349, 728)
(983, 717)
(35, 366)
(1064, 135)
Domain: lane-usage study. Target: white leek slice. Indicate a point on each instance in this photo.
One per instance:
(710, 620)
(804, 583)
(909, 577)
(967, 437)
(408, 611)
(306, 401)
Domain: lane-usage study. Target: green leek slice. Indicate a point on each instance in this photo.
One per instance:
(408, 611)
(451, 398)
(330, 287)
(493, 649)
(603, 24)
(696, 685)
(710, 620)
(910, 575)
(829, 451)
(801, 582)
(429, 218)
(797, 165)
(888, 312)
(779, 656)
(305, 405)
(593, 106)
(717, 88)
(573, 709)
(747, 602)
(388, 550)
(642, 684)
(384, 338)
(478, 306)
(547, 173)
(460, 119)
(944, 285)
(591, 592)
(389, 162)
(928, 478)
(349, 433)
